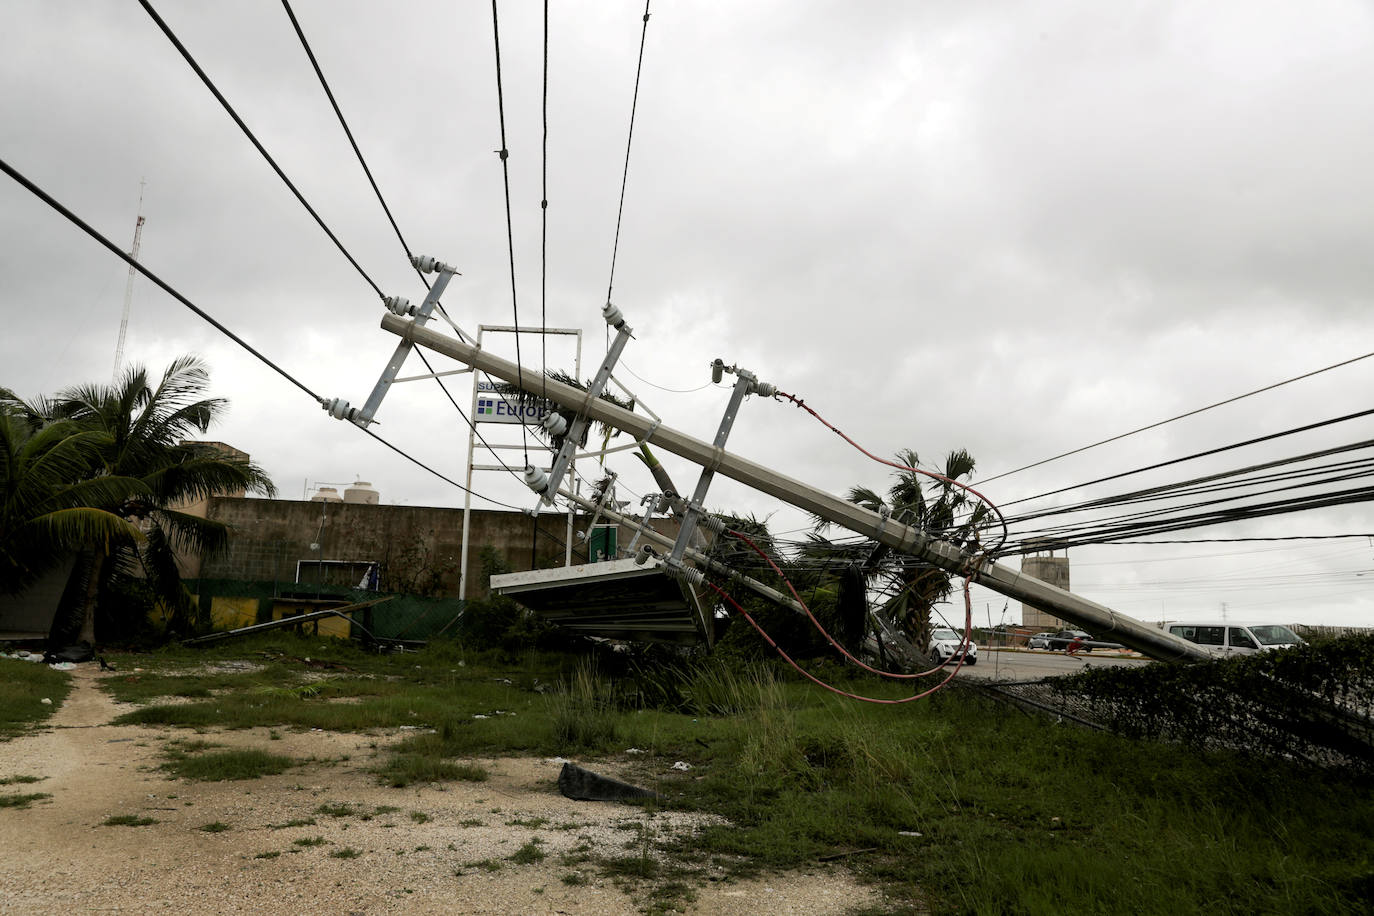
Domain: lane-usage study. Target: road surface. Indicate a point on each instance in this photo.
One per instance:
(1025, 665)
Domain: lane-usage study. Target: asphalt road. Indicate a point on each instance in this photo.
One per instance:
(1025, 665)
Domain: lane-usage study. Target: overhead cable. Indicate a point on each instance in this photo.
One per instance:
(261, 149)
(504, 153)
(1214, 451)
(1239, 397)
(629, 139)
(319, 72)
(201, 313)
(324, 84)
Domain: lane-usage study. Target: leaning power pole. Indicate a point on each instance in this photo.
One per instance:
(715, 459)
(129, 286)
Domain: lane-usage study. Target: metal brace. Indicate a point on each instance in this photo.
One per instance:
(362, 416)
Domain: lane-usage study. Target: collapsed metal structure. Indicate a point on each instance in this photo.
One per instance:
(588, 407)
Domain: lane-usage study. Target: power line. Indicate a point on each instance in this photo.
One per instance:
(1291, 537)
(319, 72)
(625, 175)
(624, 366)
(169, 290)
(504, 153)
(1296, 378)
(544, 219)
(186, 55)
(1215, 451)
(300, 33)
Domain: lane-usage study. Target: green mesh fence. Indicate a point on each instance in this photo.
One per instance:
(400, 617)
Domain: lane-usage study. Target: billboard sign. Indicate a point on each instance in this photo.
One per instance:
(494, 408)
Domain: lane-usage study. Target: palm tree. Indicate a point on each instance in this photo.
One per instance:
(48, 503)
(908, 589)
(143, 430)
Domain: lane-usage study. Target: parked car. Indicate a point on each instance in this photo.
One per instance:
(1039, 641)
(1062, 639)
(945, 643)
(1234, 637)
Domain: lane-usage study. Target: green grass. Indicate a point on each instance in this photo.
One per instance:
(1014, 813)
(529, 854)
(346, 852)
(23, 687)
(420, 817)
(127, 820)
(297, 822)
(225, 765)
(23, 799)
(20, 780)
(336, 809)
(310, 841)
(214, 827)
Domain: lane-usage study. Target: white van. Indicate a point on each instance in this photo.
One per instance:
(1233, 637)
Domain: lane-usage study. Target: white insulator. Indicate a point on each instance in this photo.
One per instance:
(643, 554)
(399, 305)
(555, 423)
(426, 264)
(614, 317)
(689, 574)
(337, 408)
(764, 389)
(537, 479)
(711, 523)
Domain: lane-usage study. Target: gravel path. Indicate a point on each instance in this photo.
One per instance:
(446, 850)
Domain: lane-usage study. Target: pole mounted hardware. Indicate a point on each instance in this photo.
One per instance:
(901, 537)
(401, 307)
(546, 484)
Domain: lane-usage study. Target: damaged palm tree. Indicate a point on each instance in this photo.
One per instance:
(905, 588)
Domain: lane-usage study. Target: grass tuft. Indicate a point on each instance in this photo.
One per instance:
(529, 854)
(225, 765)
(22, 800)
(127, 820)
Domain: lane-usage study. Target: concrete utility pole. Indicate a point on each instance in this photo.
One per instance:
(1105, 622)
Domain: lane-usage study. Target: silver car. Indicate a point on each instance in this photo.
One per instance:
(1039, 641)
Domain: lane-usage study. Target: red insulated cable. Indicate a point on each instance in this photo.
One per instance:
(830, 639)
(901, 467)
(968, 624)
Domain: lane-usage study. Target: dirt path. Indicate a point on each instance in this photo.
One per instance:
(445, 850)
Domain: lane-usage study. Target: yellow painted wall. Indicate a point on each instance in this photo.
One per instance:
(335, 627)
(227, 613)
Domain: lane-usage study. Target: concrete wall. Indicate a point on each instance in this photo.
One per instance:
(419, 548)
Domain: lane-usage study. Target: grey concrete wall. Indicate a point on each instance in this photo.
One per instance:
(419, 547)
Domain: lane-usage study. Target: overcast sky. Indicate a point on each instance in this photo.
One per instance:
(1015, 228)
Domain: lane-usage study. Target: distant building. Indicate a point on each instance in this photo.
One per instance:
(1054, 570)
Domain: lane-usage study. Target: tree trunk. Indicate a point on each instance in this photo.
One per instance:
(92, 596)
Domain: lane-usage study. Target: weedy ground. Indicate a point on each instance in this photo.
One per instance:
(954, 804)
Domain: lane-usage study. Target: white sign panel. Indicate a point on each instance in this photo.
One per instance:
(493, 408)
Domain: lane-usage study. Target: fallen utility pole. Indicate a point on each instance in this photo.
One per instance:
(904, 539)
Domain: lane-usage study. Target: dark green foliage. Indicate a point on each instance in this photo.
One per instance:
(1312, 703)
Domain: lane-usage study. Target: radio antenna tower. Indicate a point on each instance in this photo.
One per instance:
(129, 286)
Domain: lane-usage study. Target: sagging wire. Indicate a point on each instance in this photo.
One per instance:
(904, 467)
(968, 627)
(741, 536)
